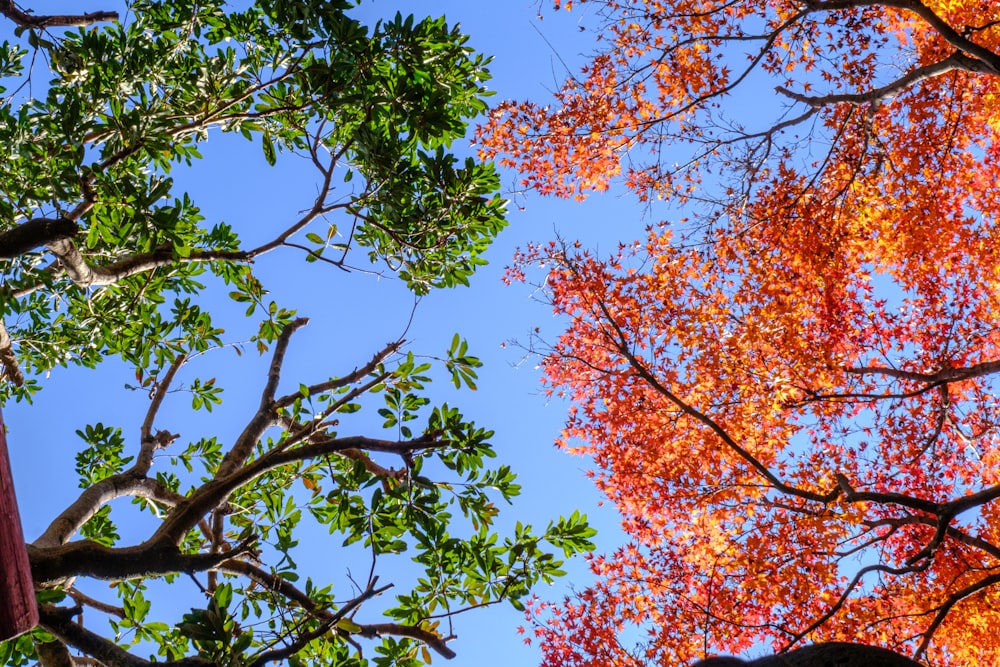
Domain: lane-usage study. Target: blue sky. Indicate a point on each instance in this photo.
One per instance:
(354, 314)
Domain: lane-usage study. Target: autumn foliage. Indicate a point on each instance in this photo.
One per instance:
(790, 393)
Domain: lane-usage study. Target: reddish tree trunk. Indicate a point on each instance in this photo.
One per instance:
(18, 612)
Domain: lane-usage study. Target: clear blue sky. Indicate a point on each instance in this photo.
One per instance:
(352, 315)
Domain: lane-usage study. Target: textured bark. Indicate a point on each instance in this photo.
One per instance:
(18, 612)
(25, 20)
(34, 234)
(831, 654)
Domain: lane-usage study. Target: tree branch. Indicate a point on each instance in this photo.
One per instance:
(53, 654)
(264, 417)
(57, 621)
(81, 598)
(621, 345)
(990, 60)
(129, 483)
(84, 274)
(211, 494)
(432, 640)
(11, 369)
(354, 376)
(25, 20)
(956, 61)
(153, 558)
(944, 375)
(35, 233)
(146, 430)
(945, 609)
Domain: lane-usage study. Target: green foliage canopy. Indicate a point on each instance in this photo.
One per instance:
(101, 256)
(85, 171)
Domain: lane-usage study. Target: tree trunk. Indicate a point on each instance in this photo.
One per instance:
(18, 611)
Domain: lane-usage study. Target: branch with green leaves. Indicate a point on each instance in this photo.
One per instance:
(236, 528)
(89, 211)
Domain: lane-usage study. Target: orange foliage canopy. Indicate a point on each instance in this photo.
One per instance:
(792, 394)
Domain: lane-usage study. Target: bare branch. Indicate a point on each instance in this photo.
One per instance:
(354, 376)
(162, 385)
(956, 61)
(84, 274)
(81, 598)
(153, 558)
(265, 414)
(129, 483)
(25, 20)
(35, 233)
(432, 640)
(318, 208)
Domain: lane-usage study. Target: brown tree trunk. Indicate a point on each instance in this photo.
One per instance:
(18, 611)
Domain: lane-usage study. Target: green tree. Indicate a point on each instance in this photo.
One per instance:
(95, 238)
(102, 256)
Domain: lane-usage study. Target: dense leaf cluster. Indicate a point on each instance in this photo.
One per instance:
(102, 255)
(374, 108)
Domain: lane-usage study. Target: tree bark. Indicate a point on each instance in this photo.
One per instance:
(33, 234)
(18, 611)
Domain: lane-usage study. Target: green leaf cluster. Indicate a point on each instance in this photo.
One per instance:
(374, 108)
(102, 255)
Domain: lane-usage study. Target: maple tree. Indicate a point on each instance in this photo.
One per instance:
(790, 393)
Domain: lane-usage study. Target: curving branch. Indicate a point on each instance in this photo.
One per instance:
(398, 629)
(990, 60)
(946, 607)
(858, 578)
(131, 483)
(85, 274)
(956, 61)
(35, 233)
(945, 375)
(211, 494)
(620, 341)
(352, 453)
(351, 378)
(82, 599)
